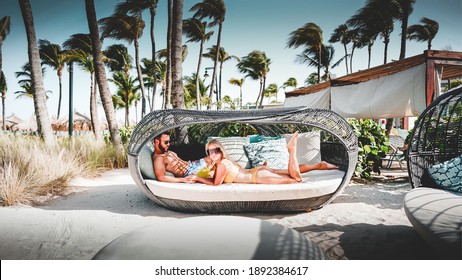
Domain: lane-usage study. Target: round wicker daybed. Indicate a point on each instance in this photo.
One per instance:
(338, 146)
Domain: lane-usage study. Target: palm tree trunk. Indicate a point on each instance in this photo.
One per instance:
(262, 92)
(385, 50)
(240, 96)
(199, 63)
(351, 59)
(404, 24)
(319, 63)
(140, 78)
(60, 78)
(93, 109)
(152, 11)
(41, 111)
(219, 83)
(3, 113)
(177, 58)
(168, 77)
(101, 78)
(369, 52)
(346, 57)
(215, 65)
(127, 111)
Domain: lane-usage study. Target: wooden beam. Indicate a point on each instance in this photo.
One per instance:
(430, 82)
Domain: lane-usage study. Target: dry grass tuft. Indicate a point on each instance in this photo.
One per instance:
(29, 169)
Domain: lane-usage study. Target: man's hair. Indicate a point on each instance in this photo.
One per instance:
(160, 135)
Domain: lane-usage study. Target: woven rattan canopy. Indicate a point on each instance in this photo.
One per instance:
(340, 148)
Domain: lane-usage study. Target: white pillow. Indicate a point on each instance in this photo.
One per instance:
(308, 147)
(234, 147)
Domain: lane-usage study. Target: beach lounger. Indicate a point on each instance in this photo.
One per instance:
(338, 146)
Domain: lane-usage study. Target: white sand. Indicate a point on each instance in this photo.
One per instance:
(365, 222)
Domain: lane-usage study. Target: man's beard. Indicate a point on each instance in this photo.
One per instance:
(163, 149)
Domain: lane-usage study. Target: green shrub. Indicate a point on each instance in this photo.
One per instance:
(373, 146)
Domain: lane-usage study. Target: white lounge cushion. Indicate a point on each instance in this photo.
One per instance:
(315, 183)
(436, 214)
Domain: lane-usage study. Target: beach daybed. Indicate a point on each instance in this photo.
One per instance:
(434, 205)
(336, 143)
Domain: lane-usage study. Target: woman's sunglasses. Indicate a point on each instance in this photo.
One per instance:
(213, 151)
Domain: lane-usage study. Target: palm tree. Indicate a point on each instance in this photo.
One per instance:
(271, 91)
(239, 83)
(118, 58)
(343, 35)
(126, 92)
(195, 31)
(376, 18)
(423, 32)
(121, 26)
(41, 111)
(149, 78)
(177, 55)
(26, 82)
(102, 79)
(191, 90)
(310, 36)
(223, 57)
(136, 7)
(291, 82)
(55, 57)
(256, 66)
(406, 7)
(3, 89)
(215, 10)
(310, 56)
(80, 51)
(5, 24)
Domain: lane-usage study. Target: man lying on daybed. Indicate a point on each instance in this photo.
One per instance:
(224, 170)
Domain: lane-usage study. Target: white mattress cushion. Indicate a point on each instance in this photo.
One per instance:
(315, 183)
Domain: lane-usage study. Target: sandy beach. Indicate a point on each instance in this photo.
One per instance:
(365, 222)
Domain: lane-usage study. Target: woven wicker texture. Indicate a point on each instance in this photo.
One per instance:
(339, 147)
(437, 136)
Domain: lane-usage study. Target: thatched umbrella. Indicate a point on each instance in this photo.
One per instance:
(10, 121)
(25, 126)
(80, 123)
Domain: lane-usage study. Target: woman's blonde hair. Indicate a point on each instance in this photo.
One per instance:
(217, 143)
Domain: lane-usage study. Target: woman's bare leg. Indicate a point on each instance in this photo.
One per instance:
(294, 169)
(318, 166)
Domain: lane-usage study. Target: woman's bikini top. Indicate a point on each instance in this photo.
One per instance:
(233, 171)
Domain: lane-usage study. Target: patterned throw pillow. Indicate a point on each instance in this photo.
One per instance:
(308, 147)
(259, 138)
(234, 147)
(448, 174)
(274, 152)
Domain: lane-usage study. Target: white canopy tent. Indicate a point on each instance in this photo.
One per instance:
(399, 89)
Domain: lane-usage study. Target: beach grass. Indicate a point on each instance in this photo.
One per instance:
(30, 170)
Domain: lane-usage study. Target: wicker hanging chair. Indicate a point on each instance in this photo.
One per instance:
(338, 146)
(437, 136)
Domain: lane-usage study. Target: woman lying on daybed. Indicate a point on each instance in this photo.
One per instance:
(228, 171)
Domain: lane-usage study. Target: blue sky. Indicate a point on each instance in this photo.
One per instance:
(249, 25)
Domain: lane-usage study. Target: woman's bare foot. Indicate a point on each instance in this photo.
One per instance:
(326, 166)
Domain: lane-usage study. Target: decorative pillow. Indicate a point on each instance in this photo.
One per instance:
(259, 138)
(274, 152)
(234, 147)
(308, 147)
(145, 162)
(448, 174)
